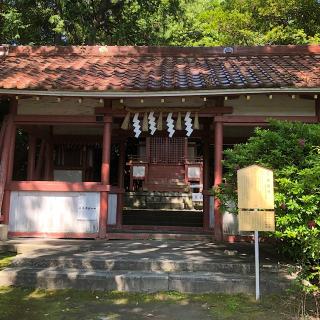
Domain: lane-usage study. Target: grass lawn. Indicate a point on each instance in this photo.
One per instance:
(30, 304)
(6, 258)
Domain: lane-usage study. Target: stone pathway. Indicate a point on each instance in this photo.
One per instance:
(142, 266)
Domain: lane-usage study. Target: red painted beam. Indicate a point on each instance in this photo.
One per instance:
(160, 228)
(208, 112)
(56, 235)
(57, 186)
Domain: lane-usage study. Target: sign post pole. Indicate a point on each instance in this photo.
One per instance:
(256, 258)
(256, 206)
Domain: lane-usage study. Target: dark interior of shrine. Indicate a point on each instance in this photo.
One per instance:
(163, 178)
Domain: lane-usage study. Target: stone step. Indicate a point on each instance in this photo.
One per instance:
(167, 217)
(157, 235)
(165, 205)
(157, 193)
(134, 281)
(235, 265)
(165, 186)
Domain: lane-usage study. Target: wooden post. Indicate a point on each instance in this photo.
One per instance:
(39, 165)
(218, 153)
(121, 164)
(317, 106)
(31, 157)
(48, 169)
(105, 176)
(121, 168)
(3, 131)
(7, 160)
(206, 159)
(206, 197)
(5, 194)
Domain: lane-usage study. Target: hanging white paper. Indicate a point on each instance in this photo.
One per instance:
(152, 123)
(170, 125)
(136, 125)
(188, 124)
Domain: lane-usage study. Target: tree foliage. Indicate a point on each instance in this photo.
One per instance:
(163, 22)
(135, 22)
(292, 151)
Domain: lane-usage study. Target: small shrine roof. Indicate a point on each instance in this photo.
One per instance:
(157, 69)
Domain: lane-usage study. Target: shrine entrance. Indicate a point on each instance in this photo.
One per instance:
(164, 182)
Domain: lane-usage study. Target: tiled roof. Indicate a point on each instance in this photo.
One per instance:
(158, 68)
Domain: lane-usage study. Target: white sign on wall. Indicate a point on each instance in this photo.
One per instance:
(194, 172)
(197, 197)
(139, 171)
(87, 207)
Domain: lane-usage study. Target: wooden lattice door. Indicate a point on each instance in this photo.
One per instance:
(167, 150)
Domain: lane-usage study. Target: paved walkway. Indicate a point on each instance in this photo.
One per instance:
(142, 266)
(193, 251)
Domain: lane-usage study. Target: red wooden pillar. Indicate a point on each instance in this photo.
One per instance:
(7, 160)
(122, 163)
(105, 176)
(206, 164)
(121, 168)
(48, 169)
(317, 107)
(206, 197)
(3, 131)
(218, 154)
(31, 157)
(38, 170)
(5, 194)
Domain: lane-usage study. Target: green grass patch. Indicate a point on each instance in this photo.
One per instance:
(27, 304)
(6, 259)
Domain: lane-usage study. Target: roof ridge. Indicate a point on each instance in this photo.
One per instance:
(6, 50)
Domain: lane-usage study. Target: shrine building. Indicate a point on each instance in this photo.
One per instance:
(122, 142)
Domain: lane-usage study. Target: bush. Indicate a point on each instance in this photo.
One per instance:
(292, 151)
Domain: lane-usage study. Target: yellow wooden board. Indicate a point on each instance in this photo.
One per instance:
(255, 188)
(256, 220)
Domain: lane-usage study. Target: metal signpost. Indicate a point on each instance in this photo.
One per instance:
(256, 206)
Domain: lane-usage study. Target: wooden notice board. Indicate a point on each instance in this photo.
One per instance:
(256, 220)
(255, 188)
(255, 199)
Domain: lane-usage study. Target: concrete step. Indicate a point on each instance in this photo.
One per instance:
(154, 187)
(157, 235)
(165, 205)
(156, 193)
(82, 262)
(167, 217)
(135, 281)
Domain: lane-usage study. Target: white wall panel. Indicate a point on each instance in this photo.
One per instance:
(112, 208)
(54, 212)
